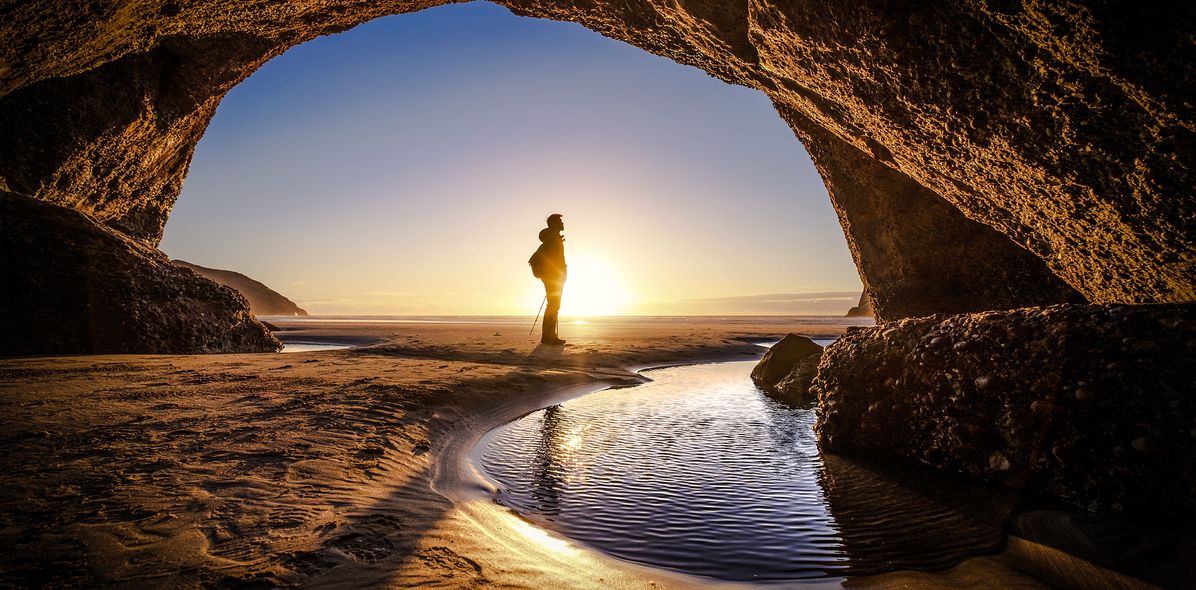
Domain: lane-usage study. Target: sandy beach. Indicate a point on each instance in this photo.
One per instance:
(342, 468)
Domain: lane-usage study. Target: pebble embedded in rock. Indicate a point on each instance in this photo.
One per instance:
(1061, 452)
(1042, 407)
(998, 462)
(1146, 445)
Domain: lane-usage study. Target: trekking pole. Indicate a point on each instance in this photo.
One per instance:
(529, 332)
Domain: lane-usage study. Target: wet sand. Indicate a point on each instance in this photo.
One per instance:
(343, 468)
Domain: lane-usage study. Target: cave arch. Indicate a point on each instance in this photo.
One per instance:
(980, 156)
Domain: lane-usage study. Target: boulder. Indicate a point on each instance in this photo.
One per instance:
(1091, 404)
(794, 388)
(74, 285)
(788, 368)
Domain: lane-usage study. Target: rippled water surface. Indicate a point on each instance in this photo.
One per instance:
(700, 472)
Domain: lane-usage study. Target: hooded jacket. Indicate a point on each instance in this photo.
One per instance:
(549, 259)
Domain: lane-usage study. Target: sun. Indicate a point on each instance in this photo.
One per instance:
(594, 288)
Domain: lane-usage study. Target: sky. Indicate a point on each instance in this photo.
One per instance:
(406, 167)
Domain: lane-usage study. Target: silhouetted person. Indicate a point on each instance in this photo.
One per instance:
(548, 264)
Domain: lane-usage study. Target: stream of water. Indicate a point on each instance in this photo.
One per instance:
(698, 471)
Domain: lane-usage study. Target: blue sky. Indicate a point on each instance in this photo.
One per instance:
(406, 166)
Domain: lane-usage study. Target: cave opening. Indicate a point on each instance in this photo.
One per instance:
(923, 239)
(402, 167)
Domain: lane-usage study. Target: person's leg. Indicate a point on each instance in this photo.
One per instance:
(550, 313)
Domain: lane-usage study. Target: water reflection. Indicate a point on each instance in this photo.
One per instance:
(546, 474)
(699, 472)
(894, 518)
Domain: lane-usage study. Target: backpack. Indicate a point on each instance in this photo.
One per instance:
(537, 262)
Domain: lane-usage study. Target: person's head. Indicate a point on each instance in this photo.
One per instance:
(555, 222)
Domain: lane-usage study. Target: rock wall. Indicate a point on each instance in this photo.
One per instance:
(1065, 127)
(115, 141)
(1094, 405)
(73, 285)
(917, 255)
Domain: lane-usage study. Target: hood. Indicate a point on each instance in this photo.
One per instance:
(548, 235)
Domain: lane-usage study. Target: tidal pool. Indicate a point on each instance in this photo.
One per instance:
(312, 346)
(700, 472)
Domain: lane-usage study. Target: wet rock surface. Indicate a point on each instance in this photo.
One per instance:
(788, 368)
(73, 285)
(1091, 405)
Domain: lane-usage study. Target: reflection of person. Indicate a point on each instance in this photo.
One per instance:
(548, 472)
(549, 266)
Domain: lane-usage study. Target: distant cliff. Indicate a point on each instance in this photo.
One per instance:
(864, 309)
(262, 299)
